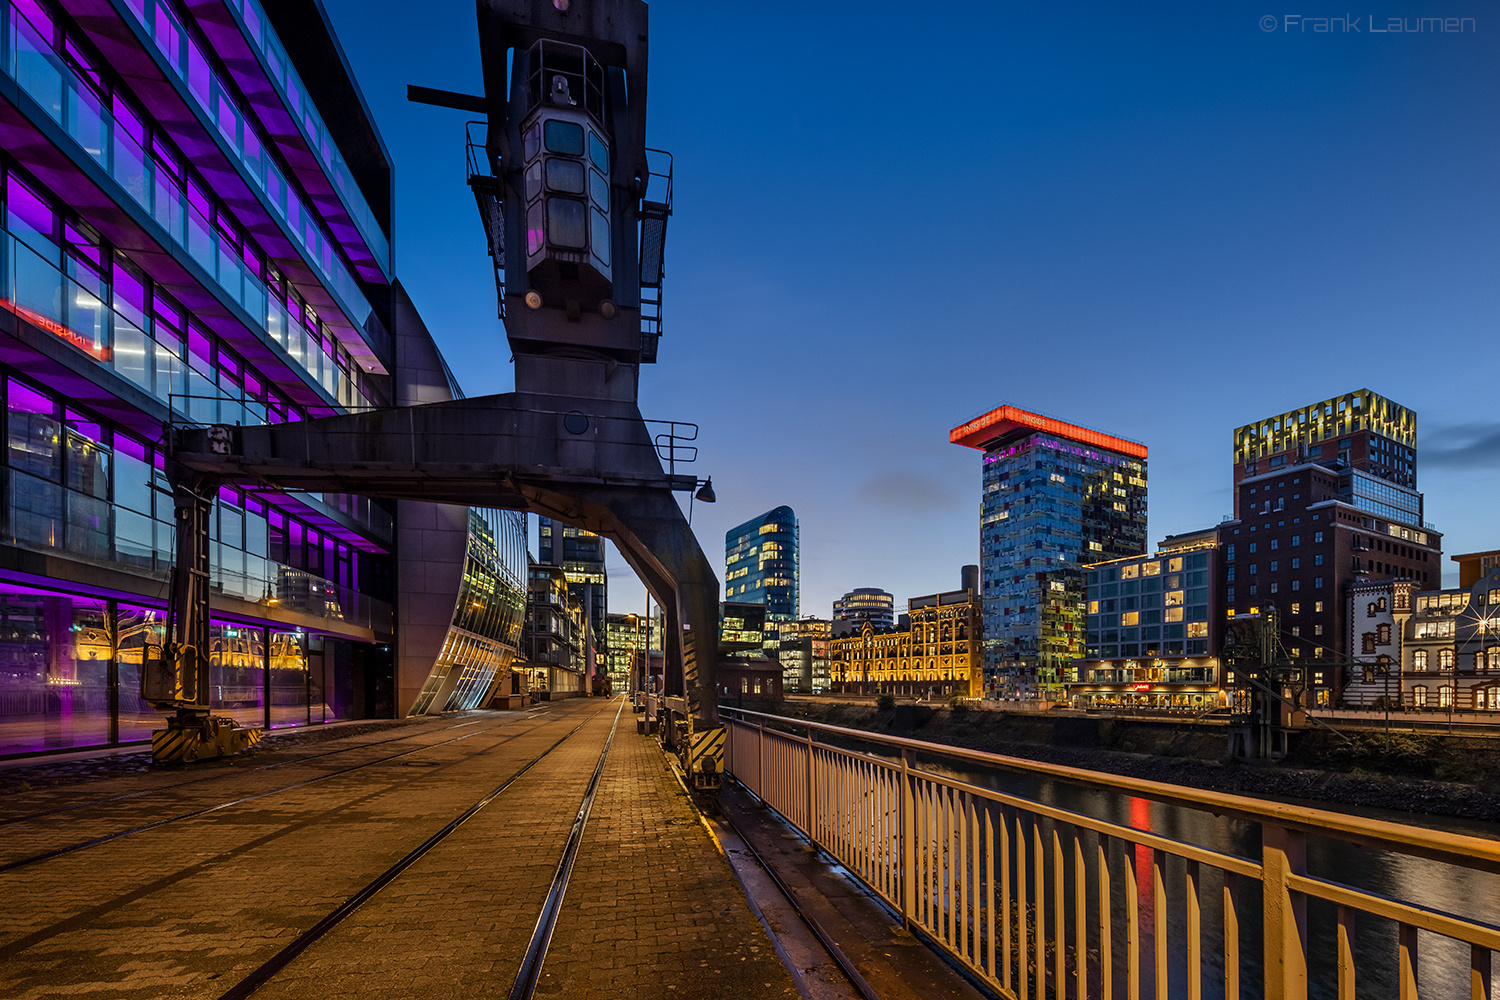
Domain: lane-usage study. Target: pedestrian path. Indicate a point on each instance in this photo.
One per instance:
(192, 887)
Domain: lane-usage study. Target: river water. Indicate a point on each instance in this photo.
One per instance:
(1443, 964)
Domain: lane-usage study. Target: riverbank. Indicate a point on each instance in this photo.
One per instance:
(1429, 775)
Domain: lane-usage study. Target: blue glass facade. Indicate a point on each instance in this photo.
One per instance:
(760, 563)
(1053, 500)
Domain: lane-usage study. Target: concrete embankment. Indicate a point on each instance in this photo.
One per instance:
(1435, 775)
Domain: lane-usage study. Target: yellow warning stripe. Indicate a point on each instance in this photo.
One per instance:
(705, 743)
(172, 744)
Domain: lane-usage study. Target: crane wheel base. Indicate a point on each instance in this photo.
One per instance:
(190, 738)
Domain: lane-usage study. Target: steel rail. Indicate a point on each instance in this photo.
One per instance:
(530, 971)
(220, 776)
(845, 964)
(83, 845)
(1427, 918)
(1452, 848)
(263, 974)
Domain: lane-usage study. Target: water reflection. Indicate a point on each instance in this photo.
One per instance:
(1443, 962)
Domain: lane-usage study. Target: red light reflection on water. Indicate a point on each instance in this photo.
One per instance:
(1140, 819)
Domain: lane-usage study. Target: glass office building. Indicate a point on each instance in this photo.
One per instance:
(191, 232)
(869, 604)
(1055, 496)
(580, 553)
(760, 563)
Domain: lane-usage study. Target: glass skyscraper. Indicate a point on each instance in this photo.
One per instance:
(1055, 496)
(760, 563)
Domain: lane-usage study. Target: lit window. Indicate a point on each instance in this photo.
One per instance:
(1093, 607)
(1174, 614)
(1197, 630)
(1151, 569)
(1172, 598)
(1130, 618)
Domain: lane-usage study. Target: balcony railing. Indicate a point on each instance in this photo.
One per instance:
(55, 87)
(45, 516)
(1027, 896)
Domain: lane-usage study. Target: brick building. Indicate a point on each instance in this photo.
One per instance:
(1325, 499)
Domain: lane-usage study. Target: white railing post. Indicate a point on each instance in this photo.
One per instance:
(1284, 853)
(760, 761)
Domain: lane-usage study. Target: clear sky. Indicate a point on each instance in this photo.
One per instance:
(1159, 220)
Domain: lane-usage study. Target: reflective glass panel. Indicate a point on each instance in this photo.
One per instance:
(565, 222)
(564, 137)
(565, 175)
(54, 671)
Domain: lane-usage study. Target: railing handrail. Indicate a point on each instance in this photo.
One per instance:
(1472, 852)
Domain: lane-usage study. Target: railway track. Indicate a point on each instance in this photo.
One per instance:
(216, 776)
(329, 886)
(857, 984)
(239, 800)
(531, 966)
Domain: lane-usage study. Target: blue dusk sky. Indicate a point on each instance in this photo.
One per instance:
(1158, 220)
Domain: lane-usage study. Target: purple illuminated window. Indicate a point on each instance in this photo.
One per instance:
(130, 447)
(198, 345)
(24, 399)
(28, 212)
(130, 295)
(37, 15)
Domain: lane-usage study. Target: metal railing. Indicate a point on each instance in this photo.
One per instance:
(1027, 895)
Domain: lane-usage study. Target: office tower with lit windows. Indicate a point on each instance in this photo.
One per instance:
(1054, 497)
(1154, 629)
(1325, 498)
(196, 229)
(868, 604)
(580, 553)
(760, 563)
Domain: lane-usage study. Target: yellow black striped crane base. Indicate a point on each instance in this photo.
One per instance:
(191, 739)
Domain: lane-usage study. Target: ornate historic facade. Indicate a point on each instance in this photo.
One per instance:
(935, 650)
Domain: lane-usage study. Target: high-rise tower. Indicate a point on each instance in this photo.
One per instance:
(760, 563)
(1055, 496)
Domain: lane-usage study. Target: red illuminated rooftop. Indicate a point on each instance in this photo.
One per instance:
(979, 432)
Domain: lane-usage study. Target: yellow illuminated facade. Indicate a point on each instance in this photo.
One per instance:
(1309, 425)
(938, 653)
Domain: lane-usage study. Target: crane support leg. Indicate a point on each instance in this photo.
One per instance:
(176, 676)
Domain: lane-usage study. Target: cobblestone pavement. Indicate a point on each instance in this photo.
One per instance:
(189, 908)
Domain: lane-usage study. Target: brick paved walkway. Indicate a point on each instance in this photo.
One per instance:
(190, 908)
(653, 909)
